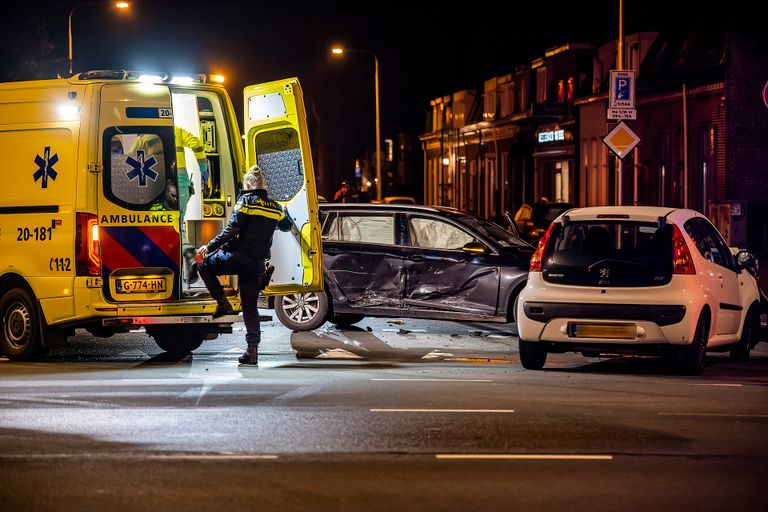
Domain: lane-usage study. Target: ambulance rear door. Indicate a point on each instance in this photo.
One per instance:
(276, 139)
(138, 208)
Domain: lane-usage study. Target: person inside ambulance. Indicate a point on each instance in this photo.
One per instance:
(170, 199)
(184, 139)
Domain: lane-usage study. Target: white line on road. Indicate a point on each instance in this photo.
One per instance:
(437, 380)
(721, 385)
(520, 456)
(445, 410)
(714, 414)
(210, 457)
(142, 456)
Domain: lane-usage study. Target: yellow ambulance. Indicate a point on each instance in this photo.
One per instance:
(93, 232)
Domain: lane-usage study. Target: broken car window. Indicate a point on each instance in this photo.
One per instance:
(434, 234)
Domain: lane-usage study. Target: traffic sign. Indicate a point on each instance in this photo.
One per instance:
(622, 93)
(621, 140)
(622, 113)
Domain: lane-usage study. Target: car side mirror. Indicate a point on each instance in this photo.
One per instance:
(747, 261)
(475, 248)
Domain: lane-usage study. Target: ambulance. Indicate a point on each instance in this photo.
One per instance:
(91, 231)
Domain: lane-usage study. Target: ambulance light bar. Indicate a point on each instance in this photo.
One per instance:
(108, 74)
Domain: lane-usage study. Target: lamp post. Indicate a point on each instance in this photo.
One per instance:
(340, 51)
(118, 5)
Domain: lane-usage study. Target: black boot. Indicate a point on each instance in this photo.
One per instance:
(249, 357)
(223, 307)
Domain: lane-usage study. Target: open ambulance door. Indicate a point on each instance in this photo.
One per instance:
(138, 209)
(276, 139)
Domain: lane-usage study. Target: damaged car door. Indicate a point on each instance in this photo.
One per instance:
(449, 270)
(364, 260)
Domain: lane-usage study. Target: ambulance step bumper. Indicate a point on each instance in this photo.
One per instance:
(226, 320)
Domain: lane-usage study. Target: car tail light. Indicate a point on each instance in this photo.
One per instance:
(87, 248)
(681, 257)
(539, 254)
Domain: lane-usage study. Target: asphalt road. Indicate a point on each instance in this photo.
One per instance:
(398, 414)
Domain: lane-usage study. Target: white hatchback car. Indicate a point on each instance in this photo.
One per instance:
(635, 279)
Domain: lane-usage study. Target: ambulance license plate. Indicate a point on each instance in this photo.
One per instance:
(603, 331)
(141, 285)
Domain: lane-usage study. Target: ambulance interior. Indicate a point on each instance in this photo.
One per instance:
(201, 113)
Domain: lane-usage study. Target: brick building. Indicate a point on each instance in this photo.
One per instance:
(537, 132)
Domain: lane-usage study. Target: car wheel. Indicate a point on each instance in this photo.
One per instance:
(346, 319)
(175, 339)
(21, 339)
(690, 359)
(740, 351)
(302, 311)
(533, 354)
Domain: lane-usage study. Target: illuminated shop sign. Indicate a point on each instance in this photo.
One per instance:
(551, 135)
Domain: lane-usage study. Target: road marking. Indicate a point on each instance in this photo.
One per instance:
(144, 456)
(208, 457)
(180, 381)
(445, 410)
(56, 401)
(721, 385)
(436, 380)
(714, 414)
(294, 394)
(520, 456)
(479, 360)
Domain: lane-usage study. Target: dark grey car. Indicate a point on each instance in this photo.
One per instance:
(395, 260)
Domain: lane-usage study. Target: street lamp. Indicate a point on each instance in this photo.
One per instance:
(340, 51)
(118, 5)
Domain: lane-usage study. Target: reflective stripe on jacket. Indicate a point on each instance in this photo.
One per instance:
(251, 225)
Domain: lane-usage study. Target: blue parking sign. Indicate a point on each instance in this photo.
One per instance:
(622, 88)
(622, 93)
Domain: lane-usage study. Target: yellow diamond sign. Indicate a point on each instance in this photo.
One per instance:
(621, 140)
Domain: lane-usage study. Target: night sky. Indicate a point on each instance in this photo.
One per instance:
(425, 49)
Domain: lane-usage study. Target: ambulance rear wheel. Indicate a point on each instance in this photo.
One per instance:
(21, 339)
(175, 339)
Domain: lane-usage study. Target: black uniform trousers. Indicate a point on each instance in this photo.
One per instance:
(250, 272)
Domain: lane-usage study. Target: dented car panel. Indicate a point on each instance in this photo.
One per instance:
(452, 281)
(411, 261)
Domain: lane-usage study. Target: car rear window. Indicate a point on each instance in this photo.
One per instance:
(608, 253)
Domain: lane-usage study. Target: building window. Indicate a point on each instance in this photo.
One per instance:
(597, 73)
(560, 91)
(634, 58)
(507, 99)
(541, 85)
(489, 105)
(522, 93)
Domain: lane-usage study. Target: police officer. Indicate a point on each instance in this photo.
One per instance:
(241, 248)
